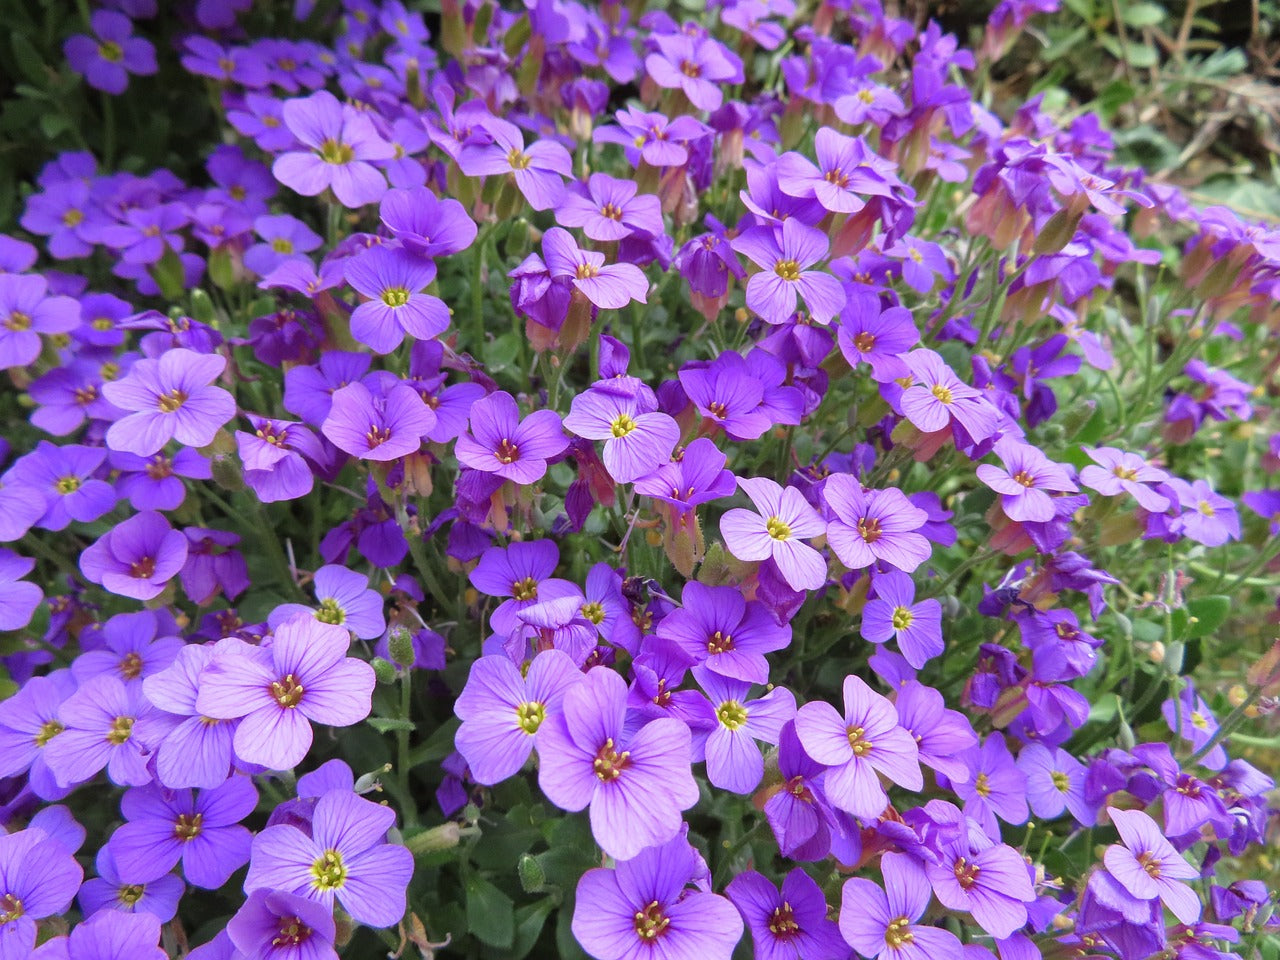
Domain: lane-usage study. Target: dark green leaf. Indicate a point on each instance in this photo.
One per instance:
(490, 913)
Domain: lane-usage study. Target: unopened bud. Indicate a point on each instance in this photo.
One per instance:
(384, 671)
(400, 645)
(533, 878)
(1156, 653)
(443, 837)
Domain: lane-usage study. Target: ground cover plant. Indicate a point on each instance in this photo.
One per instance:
(676, 482)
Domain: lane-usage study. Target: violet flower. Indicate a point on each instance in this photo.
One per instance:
(426, 225)
(1022, 483)
(846, 167)
(1055, 782)
(787, 925)
(782, 518)
(1148, 866)
(275, 458)
(695, 65)
(608, 209)
(169, 399)
(500, 442)
(611, 287)
(18, 598)
(345, 600)
(393, 281)
(26, 312)
(641, 908)
(785, 255)
(1119, 472)
(105, 724)
(107, 59)
(636, 785)
(892, 613)
(734, 762)
(137, 557)
(107, 891)
(877, 337)
(276, 925)
(717, 627)
(38, 878)
(996, 787)
(340, 142)
(870, 526)
(637, 439)
(385, 426)
(884, 923)
(538, 170)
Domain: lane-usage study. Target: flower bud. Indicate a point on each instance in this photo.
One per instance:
(400, 645)
(384, 670)
(533, 878)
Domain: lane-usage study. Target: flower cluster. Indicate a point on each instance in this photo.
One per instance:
(729, 431)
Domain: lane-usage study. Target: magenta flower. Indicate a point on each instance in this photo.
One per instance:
(892, 612)
(502, 711)
(1148, 867)
(202, 830)
(774, 530)
(500, 442)
(137, 557)
(345, 857)
(538, 170)
(384, 426)
(340, 142)
(866, 741)
(870, 526)
(106, 60)
(26, 312)
(791, 925)
(637, 440)
(169, 399)
(1022, 483)
(785, 256)
(636, 785)
(696, 65)
(883, 923)
(642, 909)
(611, 287)
(608, 209)
(304, 677)
(275, 925)
(393, 281)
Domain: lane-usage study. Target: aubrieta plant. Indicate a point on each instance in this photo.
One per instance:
(654, 484)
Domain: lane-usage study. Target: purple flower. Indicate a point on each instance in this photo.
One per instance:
(65, 475)
(284, 238)
(1199, 725)
(733, 759)
(608, 209)
(636, 786)
(996, 788)
(393, 280)
(791, 925)
(502, 711)
(652, 137)
(129, 648)
(137, 557)
(202, 830)
(990, 882)
(108, 935)
(275, 925)
(309, 390)
(942, 736)
(611, 287)
(345, 600)
(105, 724)
(340, 143)
(108, 891)
(345, 857)
(38, 878)
(918, 626)
(26, 312)
(303, 677)
(865, 741)
(846, 167)
(717, 627)
(784, 256)
(499, 442)
(521, 572)
(641, 908)
(883, 923)
(1207, 517)
(29, 723)
(18, 598)
(696, 65)
(878, 337)
(698, 476)
(169, 399)
(538, 171)
(1148, 866)
(637, 439)
(275, 458)
(145, 234)
(1026, 475)
(1119, 472)
(1055, 781)
(383, 426)
(105, 61)
(782, 518)
(922, 263)
(426, 225)
(937, 395)
(871, 526)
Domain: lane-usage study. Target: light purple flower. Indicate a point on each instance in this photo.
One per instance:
(18, 598)
(892, 613)
(717, 627)
(137, 557)
(637, 439)
(283, 238)
(990, 881)
(871, 526)
(340, 143)
(846, 167)
(38, 878)
(608, 209)
(345, 600)
(883, 923)
(107, 891)
(1055, 781)
(865, 741)
(169, 399)
(1148, 867)
(393, 280)
(538, 170)
(106, 724)
(26, 311)
(1023, 481)
(937, 395)
(500, 442)
(275, 925)
(611, 287)
(785, 256)
(734, 762)
(781, 520)
(996, 787)
(303, 677)
(697, 65)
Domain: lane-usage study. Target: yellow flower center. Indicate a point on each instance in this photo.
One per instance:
(48, 730)
(902, 618)
(777, 528)
(518, 159)
(622, 425)
(111, 51)
(328, 872)
(188, 826)
(651, 922)
(593, 611)
(982, 785)
(131, 665)
(609, 763)
(529, 716)
(120, 731)
(898, 933)
(171, 401)
(330, 612)
(787, 269)
(732, 714)
(395, 296)
(942, 393)
(526, 589)
(507, 451)
(858, 741)
(287, 691)
(336, 152)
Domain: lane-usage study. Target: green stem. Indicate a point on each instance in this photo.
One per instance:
(402, 748)
(273, 547)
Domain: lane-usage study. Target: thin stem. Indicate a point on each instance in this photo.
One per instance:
(402, 748)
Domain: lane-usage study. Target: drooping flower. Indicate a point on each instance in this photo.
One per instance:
(869, 526)
(169, 399)
(781, 520)
(345, 857)
(502, 711)
(393, 281)
(865, 741)
(426, 225)
(202, 830)
(500, 442)
(787, 925)
(785, 257)
(642, 908)
(636, 785)
(341, 141)
(303, 677)
(1148, 866)
(884, 923)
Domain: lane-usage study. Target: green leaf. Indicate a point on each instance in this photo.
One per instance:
(1140, 55)
(490, 913)
(437, 746)
(1142, 14)
(1201, 617)
(530, 920)
(387, 724)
